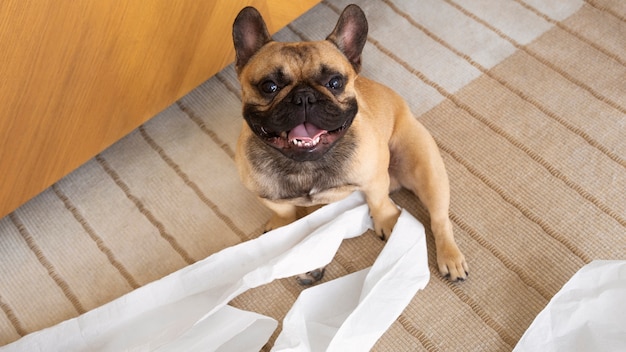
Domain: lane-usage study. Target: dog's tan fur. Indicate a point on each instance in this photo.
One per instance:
(391, 148)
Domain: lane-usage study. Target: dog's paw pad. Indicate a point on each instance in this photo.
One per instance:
(311, 277)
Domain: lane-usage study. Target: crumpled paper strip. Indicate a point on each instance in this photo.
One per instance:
(352, 312)
(587, 314)
(187, 310)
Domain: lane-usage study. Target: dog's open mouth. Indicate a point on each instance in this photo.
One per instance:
(305, 141)
(306, 135)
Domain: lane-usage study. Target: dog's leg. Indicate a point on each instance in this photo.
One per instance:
(383, 211)
(284, 214)
(418, 166)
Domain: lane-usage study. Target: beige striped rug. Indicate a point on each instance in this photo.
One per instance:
(526, 99)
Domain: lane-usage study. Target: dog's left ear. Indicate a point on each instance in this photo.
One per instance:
(249, 35)
(350, 34)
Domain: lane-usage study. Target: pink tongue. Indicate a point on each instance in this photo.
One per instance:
(305, 132)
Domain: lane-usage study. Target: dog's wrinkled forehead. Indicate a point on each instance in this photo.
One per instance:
(297, 62)
(298, 52)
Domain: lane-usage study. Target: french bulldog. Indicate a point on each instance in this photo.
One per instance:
(314, 131)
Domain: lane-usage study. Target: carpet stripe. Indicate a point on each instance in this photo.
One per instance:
(143, 210)
(408, 326)
(41, 257)
(606, 9)
(194, 187)
(506, 262)
(543, 162)
(574, 33)
(540, 59)
(561, 120)
(203, 127)
(476, 308)
(501, 80)
(15, 321)
(509, 264)
(545, 226)
(96, 238)
(228, 85)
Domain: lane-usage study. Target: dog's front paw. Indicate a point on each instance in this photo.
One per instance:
(452, 263)
(308, 279)
(384, 221)
(383, 228)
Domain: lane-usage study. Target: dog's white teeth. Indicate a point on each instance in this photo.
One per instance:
(307, 144)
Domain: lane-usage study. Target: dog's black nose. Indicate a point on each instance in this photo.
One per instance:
(303, 97)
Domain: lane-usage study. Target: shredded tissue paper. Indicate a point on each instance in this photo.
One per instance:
(188, 310)
(587, 314)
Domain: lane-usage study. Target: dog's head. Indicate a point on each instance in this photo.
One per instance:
(299, 97)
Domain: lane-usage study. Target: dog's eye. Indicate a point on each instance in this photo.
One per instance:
(335, 83)
(269, 87)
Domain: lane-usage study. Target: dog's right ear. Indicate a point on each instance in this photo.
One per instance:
(249, 35)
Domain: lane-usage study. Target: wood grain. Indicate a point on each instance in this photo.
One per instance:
(75, 76)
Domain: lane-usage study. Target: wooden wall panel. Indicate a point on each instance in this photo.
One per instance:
(75, 76)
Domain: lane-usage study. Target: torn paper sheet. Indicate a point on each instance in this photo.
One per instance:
(587, 314)
(352, 312)
(187, 310)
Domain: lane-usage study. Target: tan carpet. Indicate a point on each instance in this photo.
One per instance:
(526, 98)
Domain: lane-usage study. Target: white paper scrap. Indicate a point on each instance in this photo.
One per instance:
(187, 310)
(352, 312)
(587, 314)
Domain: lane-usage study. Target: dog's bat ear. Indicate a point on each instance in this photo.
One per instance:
(249, 35)
(350, 34)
